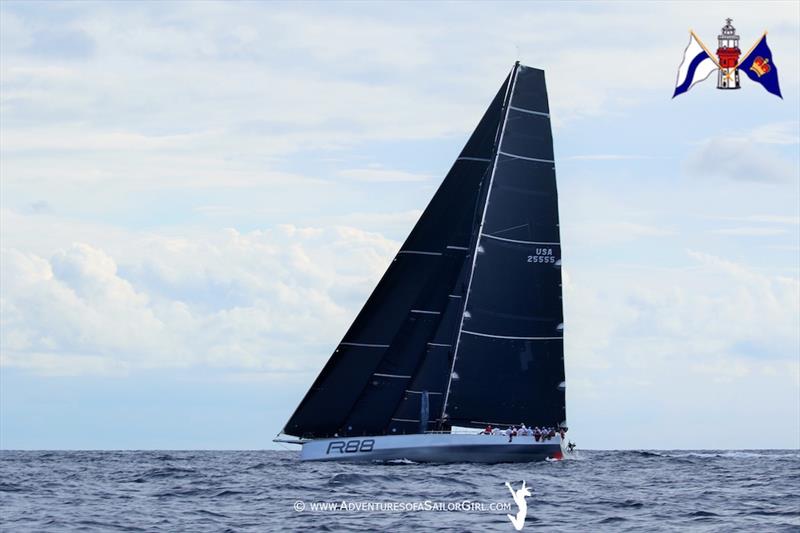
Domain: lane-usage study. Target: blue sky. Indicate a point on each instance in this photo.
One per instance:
(198, 197)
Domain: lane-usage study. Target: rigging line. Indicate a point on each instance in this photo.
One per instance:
(513, 228)
(523, 110)
(510, 337)
(521, 242)
(398, 376)
(363, 345)
(509, 95)
(526, 158)
(417, 252)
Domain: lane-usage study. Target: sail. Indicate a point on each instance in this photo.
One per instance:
(508, 366)
(397, 354)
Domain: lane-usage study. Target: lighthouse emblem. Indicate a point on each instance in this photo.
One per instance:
(728, 55)
(699, 63)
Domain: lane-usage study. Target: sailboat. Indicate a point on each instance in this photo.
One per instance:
(465, 328)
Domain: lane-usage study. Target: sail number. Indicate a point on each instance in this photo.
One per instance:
(543, 255)
(350, 446)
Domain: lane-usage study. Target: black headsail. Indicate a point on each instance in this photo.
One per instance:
(466, 323)
(391, 346)
(508, 366)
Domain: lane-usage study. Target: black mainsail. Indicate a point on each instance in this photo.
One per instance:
(465, 327)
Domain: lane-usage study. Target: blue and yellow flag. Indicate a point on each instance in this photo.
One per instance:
(758, 66)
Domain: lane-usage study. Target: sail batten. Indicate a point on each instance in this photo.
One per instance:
(481, 159)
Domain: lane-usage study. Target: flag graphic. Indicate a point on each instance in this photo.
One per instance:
(696, 66)
(759, 67)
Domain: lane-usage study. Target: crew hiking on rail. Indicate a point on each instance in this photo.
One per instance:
(539, 434)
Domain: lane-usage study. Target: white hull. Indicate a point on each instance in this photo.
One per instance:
(434, 448)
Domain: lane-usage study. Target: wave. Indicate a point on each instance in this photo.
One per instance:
(260, 466)
(11, 487)
(575, 456)
(733, 454)
(628, 504)
(399, 462)
(168, 472)
(357, 479)
(255, 491)
(225, 493)
(765, 512)
(612, 520)
(648, 453)
(454, 481)
(713, 454)
(702, 514)
(181, 492)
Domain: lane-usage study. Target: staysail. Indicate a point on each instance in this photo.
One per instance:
(459, 329)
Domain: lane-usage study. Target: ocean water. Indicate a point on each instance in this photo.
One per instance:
(174, 491)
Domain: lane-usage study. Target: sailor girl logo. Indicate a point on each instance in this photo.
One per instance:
(699, 63)
(519, 496)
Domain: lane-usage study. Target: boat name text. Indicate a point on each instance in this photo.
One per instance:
(350, 446)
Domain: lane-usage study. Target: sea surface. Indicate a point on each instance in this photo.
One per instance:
(176, 491)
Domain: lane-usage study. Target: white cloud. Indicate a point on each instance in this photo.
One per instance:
(220, 97)
(750, 231)
(790, 220)
(382, 175)
(397, 224)
(602, 232)
(713, 309)
(606, 157)
(268, 301)
(748, 157)
(689, 346)
(777, 133)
